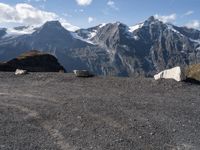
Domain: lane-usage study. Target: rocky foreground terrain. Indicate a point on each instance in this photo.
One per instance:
(56, 111)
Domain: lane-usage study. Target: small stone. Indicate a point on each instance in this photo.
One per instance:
(152, 133)
(20, 72)
(75, 129)
(174, 130)
(79, 117)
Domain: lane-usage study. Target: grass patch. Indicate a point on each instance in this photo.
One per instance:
(30, 54)
(193, 72)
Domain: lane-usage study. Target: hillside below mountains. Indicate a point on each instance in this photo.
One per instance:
(109, 49)
(33, 61)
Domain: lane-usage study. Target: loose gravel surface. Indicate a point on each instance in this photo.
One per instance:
(55, 111)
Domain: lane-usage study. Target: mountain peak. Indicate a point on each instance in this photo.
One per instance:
(118, 23)
(51, 27)
(52, 23)
(151, 18)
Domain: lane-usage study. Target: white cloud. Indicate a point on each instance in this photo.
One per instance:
(78, 10)
(67, 25)
(194, 24)
(166, 19)
(40, 0)
(67, 15)
(84, 2)
(188, 13)
(90, 19)
(36, 1)
(111, 4)
(26, 14)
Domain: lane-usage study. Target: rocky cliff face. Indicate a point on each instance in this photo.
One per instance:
(148, 47)
(112, 49)
(33, 61)
(2, 32)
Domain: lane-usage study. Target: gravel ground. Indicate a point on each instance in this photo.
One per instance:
(55, 111)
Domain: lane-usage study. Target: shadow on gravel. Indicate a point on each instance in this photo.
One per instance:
(192, 81)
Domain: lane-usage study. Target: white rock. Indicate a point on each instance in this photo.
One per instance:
(174, 73)
(20, 72)
(82, 73)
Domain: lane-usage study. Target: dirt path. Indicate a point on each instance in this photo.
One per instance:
(59, 140)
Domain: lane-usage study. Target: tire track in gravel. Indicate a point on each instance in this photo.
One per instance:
(36, 98)
(56, 135)
(109, 121)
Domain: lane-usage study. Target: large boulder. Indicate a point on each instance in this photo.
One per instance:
(175, 73)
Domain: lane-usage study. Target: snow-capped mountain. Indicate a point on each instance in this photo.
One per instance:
(110, 49)
(89, 33)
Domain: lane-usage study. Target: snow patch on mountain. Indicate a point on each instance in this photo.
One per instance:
(170, 27)
(136, 27)
(76, 36)
(197, 43)
(136, 37)
(129, 33)
(102, 25)
(94, 32)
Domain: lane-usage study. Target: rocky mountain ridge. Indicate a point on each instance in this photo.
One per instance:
(113, 48)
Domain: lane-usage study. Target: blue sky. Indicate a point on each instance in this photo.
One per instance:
(86, 13)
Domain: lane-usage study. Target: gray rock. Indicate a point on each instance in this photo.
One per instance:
(82, 73)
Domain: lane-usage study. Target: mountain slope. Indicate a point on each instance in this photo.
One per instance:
(51, 38)
(2, 32)
(148, 47)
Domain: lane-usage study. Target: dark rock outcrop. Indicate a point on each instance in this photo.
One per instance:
(2, 32)
(33, 61)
